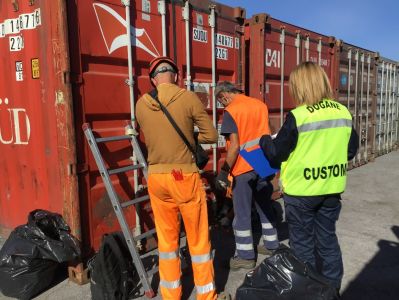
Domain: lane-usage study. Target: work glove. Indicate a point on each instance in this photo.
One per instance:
(222, 182)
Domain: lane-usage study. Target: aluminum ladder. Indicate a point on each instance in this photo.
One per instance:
(117, 205)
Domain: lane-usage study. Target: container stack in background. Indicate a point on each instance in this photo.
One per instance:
(64, 63)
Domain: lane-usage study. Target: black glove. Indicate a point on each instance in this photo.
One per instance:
(221, 181)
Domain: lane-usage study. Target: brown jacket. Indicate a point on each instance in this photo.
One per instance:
(166, 149)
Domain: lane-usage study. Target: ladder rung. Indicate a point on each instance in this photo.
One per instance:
(152, 271)
(113, 138)
(144, 235)
(124, 169)
(135, 201)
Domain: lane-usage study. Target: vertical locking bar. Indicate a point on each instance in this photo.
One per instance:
(282, 42)
(186, 17)
(162, 12)
(380, 112)
(212, 24)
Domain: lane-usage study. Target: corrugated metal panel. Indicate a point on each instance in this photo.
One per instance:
(274, 50)
(387, 106)
(357, 90)
(37, 139)
(101, 96)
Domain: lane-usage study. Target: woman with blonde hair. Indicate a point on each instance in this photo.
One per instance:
(312, 149)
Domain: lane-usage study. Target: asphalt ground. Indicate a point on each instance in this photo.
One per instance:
(368, 231)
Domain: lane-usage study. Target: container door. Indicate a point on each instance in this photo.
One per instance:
(101, 92)
(386, 135)
(205, 26)
(356, 90)
(37, 142)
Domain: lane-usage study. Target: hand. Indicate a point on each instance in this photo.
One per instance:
(221, 181)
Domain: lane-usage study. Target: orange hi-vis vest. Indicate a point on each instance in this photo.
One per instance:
(252, 120)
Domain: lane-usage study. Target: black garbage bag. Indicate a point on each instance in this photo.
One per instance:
(284, 276)
(33, 252)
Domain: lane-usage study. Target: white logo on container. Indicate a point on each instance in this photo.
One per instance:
(16, 116)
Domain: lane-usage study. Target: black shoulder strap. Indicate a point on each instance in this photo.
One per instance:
(154, 94)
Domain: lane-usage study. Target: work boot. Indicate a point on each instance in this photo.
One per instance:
(237, 263)
(223, 296)
(264, 251)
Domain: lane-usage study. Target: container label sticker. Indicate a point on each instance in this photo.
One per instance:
(12, 26)
(224, 40)
(35, 68)
(222, 53)
(2, 30)
(19, 71)
(30, 21)
(200, 21)
(200, 35)
(23, 22)
(146, 5)
(221, 138)
(16, 43)
(323, 62)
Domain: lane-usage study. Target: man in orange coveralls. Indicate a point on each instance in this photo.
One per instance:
(174, 184)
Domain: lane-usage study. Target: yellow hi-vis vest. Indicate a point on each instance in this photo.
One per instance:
(318, 164)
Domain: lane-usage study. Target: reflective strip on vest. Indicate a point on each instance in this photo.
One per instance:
(170, 284)
(270, 238)
(199, 259)
(267, 226)
(325, 125)
(244, 246)
(242, 233)
(203, 289)
(250, 144)
(168, 255)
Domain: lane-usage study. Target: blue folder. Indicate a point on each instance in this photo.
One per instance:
(257, 160)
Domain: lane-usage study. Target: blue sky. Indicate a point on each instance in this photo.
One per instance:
(369, 24)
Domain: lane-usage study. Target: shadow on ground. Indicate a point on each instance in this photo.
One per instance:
(379, 279)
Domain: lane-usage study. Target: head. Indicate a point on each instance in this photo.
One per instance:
(163, 70)
(225, 92)
(309, 84)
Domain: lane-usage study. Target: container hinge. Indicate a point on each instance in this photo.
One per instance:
(72, 78)
(75, 169)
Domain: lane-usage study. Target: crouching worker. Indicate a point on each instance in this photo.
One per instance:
(174, 184)
(314, 145)
(245, 120)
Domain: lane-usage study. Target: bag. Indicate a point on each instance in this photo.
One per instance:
(33, 253)
(200, 155)
(284, 276)
(112, 270)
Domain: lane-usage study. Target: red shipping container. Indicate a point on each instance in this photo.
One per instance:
(273, 49)
(72, 68)
(355, 86)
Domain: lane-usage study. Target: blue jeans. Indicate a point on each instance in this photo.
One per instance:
(311, 224)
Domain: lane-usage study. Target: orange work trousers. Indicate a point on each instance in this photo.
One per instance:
(171, 194)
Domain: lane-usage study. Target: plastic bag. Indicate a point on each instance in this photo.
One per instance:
(284, 276)
(33, 252)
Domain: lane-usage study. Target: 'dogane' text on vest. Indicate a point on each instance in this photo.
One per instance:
(252, 119)
(318, 164)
